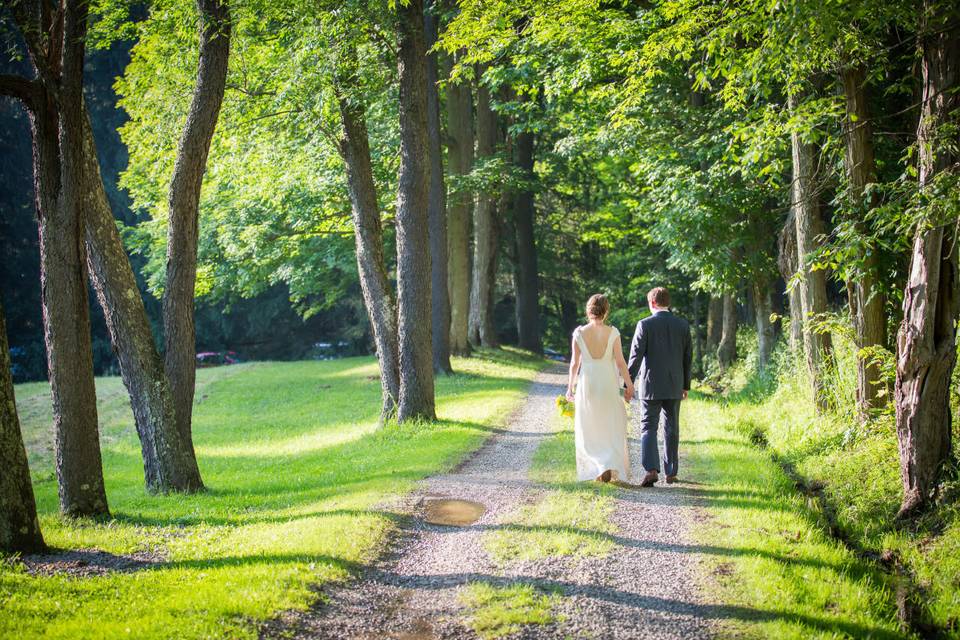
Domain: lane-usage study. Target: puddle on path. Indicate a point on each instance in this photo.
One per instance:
(451, 512)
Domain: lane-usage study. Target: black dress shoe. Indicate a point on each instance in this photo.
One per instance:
(649, 480)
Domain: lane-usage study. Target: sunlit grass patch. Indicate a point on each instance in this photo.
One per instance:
(769, 559)
(494, 612)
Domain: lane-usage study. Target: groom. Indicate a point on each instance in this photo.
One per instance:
(661, 354)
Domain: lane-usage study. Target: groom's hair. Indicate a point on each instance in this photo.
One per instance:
(659, 296)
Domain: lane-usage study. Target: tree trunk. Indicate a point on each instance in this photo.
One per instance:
(527, 279)
(482, 330)
(460, 158)
(926, 347)
(787, 262)
(714, 323)
(440, 295)
(368, 233)
(762, 309)
(813, 285)
(727, 349)
(184, 207)
(57, 127)
(168, 463)
(865, 299)
(696, 325)
(19, 526)
(413, 242)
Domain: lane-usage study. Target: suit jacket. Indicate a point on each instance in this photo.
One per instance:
(660, 355)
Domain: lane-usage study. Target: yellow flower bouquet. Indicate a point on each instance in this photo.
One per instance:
(565, 406)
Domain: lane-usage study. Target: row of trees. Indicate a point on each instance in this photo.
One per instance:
(489, 152)
(367, 58)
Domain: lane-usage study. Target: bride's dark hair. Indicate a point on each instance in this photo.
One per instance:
(598, 306)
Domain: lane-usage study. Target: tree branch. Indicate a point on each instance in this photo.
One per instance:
(21, 88)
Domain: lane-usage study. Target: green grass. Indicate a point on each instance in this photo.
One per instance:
(297, 471)
(769, 559)
(498, 611)
(573, 519)
(858, 468)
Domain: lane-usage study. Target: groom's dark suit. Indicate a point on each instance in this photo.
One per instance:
(660, 357)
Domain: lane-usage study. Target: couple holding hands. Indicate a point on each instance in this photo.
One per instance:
(660, 359)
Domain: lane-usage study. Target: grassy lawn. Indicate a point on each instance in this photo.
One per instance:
(769, 557)
(857, 468)
(297, 471)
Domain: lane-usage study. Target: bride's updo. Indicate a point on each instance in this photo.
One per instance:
(598, 306)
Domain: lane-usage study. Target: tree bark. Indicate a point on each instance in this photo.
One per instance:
(714, 323)
(168, 464)
(371, 264)
(527, 278)
(926, 343)
(460, 159)
(813, 286)
(787, 262)
(19, 526)
(482, 331)
(56, 41)
(762, 309)
(413, 242)
(865, 299)
(727, 349)
(183, 210)
(440, 295)
(696, 324)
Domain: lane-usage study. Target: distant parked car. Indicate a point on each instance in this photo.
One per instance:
(554, 355)
(217, 358)
(331, 350)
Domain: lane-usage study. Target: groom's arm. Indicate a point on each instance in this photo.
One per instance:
(638, 348)
(687, 359)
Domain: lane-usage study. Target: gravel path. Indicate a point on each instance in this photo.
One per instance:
(644, 588)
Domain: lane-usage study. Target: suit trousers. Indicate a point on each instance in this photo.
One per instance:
(664, 414)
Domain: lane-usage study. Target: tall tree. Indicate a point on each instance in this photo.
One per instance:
(714, 323)
(440, 304)
(354, 146)
(527, 278)
(865, 298)
(805, 202)
(762, 310)
(482, 331)
(413, 241)
(926, 343)
(169, 462)
(55, 38)
(183, 212)
(19, 527)
(727, 349)
(787, 263)
(460, 161)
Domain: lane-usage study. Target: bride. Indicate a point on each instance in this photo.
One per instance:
(600, 419)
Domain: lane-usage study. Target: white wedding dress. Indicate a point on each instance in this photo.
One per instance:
(600, 418)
